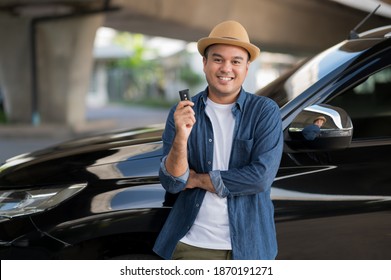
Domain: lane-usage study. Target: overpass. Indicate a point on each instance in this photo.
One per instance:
(46, 45)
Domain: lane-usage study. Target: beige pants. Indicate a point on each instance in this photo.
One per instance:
(188, 252)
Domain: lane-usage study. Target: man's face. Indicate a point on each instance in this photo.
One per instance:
(319, 122)
(225, 68)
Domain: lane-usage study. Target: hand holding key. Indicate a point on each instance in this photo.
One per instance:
(184, 116)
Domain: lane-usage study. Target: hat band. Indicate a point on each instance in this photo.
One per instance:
(230, 38)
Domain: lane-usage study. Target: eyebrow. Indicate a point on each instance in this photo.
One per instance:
(219, 55)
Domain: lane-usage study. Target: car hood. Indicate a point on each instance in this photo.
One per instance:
(80, 159)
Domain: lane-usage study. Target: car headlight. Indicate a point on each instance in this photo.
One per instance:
(22, 202)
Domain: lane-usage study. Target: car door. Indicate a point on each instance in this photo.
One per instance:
(336, 204)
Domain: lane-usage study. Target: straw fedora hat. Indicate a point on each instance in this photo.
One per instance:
(320, 118)
(229, 33)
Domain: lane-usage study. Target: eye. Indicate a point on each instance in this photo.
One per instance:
(217, 60)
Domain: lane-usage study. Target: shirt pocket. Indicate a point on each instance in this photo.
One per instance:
(241, 152)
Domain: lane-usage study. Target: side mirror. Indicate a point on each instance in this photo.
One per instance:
(320, 128)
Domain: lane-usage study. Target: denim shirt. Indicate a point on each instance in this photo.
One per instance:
(254, 161)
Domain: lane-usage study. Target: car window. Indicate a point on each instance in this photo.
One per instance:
(308, 72)
(369, 106)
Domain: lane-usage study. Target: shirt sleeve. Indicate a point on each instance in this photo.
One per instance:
(183, 178)
(220, 189)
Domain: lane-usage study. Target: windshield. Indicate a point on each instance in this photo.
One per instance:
(307, 73)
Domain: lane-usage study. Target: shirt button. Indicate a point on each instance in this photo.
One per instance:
(197, 205)
(210, 140)
(209, 162)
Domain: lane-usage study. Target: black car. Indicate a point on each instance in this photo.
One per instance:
(100, 197)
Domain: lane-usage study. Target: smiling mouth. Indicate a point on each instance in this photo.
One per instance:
(226, 78)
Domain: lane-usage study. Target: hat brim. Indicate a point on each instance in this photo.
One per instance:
(321, 118)
(208, 41)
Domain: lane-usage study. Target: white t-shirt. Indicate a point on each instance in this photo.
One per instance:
(211, 227)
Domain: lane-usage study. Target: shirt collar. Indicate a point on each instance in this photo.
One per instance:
(239, 101)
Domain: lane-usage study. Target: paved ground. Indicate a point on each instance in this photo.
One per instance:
(15, 140)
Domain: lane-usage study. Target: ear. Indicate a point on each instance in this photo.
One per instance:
(247, 66)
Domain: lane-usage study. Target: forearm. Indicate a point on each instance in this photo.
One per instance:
(200, 180)
(184, 119)
(176, 162)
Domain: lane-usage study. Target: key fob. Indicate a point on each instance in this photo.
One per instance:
(184, 94)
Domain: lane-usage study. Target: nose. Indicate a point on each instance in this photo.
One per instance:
(226, 67)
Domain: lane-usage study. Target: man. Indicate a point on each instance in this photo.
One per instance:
(221, 152)
(312, 131)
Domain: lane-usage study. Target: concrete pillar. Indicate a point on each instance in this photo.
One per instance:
(64, 59)
(65, 54)
(15, 67)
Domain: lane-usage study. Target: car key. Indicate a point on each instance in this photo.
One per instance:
(184, 94)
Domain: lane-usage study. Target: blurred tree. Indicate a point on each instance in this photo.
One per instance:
(189, 76)
(139, 76)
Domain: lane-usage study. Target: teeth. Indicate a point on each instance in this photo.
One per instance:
(225, 78)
